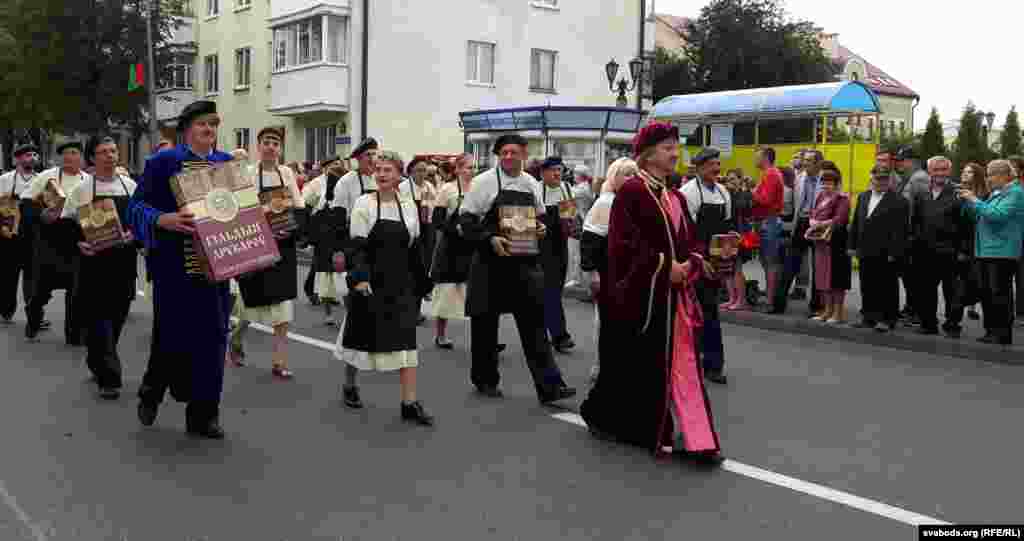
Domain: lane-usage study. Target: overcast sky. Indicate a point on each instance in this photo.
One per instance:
(949, 55)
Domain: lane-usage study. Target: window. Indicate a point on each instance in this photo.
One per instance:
(903, 126)
(242, 138)
(480, 62)
(546, 3)
(242, 4)
(482, 150)
(320, 143)
(243, 67)
(212, 80)
(892, 127)
(324, 37)
(212, 8)
(577, 152)
(542, 70)
(177, 74)
(182, 8)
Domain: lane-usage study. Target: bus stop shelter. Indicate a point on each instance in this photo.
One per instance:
(786, 118)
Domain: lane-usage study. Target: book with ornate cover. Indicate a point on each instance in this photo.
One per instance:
(10, 216)
(52, 196)
(723, 252)
(279, 207)
(518, 224)
(232, 234)
(101, 225)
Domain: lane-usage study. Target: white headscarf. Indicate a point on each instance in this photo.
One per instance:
(600, 213)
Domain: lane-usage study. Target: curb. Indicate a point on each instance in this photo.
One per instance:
(965, 348)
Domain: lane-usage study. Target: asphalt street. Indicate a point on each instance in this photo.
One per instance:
(887, 437)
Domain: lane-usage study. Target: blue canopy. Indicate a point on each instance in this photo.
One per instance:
(550, 117)
(827, 99)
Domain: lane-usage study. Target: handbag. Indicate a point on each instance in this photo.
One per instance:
(823, 234)
(338, 261)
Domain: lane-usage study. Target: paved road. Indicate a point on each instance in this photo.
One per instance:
(930, 435)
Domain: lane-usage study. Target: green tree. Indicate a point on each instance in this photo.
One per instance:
(68, 67)
(1009, 140)
(671, 74)
(933, 143)
(970, 146)
(737, 44)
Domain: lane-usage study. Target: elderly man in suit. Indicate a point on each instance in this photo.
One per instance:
(878, 237)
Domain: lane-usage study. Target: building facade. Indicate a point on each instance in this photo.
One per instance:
(299, 64)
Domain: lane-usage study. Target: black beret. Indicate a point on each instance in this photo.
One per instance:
(509, 139)
(904, 153)
(25, 149)
(705, 155)
(72, 143)
(551, 161)
(368, 144)
(271, 131)
(326, 163)
(195, 110)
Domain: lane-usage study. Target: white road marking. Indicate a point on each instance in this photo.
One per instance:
(37, 532)
(753, 472)
(812, 489)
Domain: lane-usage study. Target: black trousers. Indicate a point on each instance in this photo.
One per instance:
(880, 290)
(36, 307)
(307, 287)
(997, 297)
(792, 263)
(539, 357)
(906, 270)
(1020, 288)
(930, 271)
(10, 273)
(709, 339)
(103, 335)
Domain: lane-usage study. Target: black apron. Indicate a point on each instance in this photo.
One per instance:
(554, 247)
(386, 320)
(499, 285)
(711, 218)
(278, 283)
(427, 239)
(105, 280)
(327, 231)
(453, 255)
(54, 254)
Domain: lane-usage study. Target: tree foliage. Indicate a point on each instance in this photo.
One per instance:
(737, 44)
(1009, 140)
(66, 64)
(933, 142)
(970, 146)
(671, 74)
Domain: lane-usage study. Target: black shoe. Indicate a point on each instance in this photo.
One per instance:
(421, 320)
(561, 393)
(973, 315)
(31, 333)
(45, 325)
(7, 319)
(599, 434)
(499, 348)
(798, 294)
(147, 413)
(883, 327)
(709, 460)
(997, 340)
(210, 430)
(951, 332)
(110, 393)
(864, 324)
(414, 412)
(443, 343)
(350, 395)
(490, 391)
(564, 344)
(927, 331)
(717, 377)
(314, 300)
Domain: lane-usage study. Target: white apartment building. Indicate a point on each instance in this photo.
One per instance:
(299, 64)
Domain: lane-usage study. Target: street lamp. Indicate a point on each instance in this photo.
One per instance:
(990, 117)
(636, 70)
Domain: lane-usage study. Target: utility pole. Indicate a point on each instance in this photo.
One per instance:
(154, 130)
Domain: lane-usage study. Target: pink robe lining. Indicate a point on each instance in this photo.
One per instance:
(688, 402)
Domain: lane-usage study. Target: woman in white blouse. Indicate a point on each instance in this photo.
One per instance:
(453, 255)
(387, 279)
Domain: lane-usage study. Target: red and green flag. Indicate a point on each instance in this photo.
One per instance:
(137, 78)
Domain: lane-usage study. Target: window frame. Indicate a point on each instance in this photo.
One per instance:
(477, 46)
(535, 85)
(245, 55)
(320, 142)
(214, 75)
(286, 57)
(243, 139)
(242, 4)
(212, 8)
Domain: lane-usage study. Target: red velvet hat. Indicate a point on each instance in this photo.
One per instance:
(652, 134)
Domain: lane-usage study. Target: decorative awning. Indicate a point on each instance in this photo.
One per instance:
(846, 98)
(551, 118)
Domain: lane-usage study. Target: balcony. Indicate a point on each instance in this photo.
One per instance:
(170, 102)
(287, 11)
(312, 88)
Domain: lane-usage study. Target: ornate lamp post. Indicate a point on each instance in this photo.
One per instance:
(636, 71)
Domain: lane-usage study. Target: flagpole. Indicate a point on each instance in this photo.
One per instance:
(154, 130)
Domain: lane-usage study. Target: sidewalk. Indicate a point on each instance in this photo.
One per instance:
(796, 322)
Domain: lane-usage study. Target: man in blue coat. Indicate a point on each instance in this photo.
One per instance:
(190, 314)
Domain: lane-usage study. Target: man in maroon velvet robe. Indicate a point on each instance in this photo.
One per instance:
(650, 390)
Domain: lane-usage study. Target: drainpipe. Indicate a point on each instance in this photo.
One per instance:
(365, 74)
(917, 101)
(640, 54)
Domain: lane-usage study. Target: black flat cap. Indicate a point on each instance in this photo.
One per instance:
(368, 144)
(326, 163)
(705, 155)
(904, 153)
(272, 132)
(551, 161)
(71, 143)
(25, 149)
(193, 111)
(509, 139)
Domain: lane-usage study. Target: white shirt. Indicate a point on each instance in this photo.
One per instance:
(348, 190)
(553, 196)
(364, 215)
(485, 190)
(600, 214)
(696, 189)
(271, 180)
(876, 198)
(82, 195)
(68, 182)
(14, 181)
(448, 196)
(426, 193)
